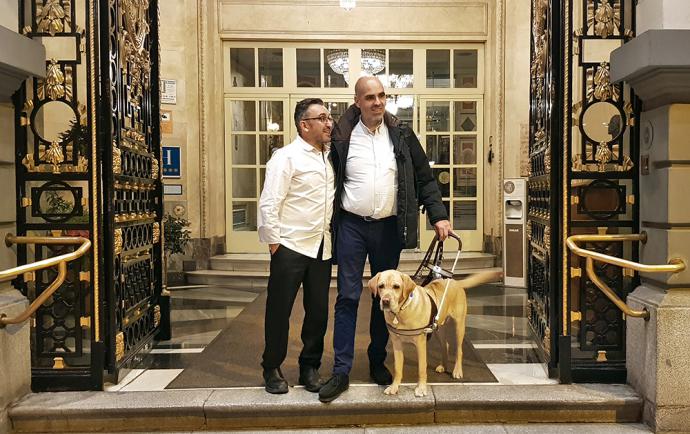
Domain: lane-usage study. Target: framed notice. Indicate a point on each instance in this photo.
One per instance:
(172, 189)
(168, 91)
(166, 122)
(171, 161)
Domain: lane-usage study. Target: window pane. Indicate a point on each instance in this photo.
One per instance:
(271, 67)
(400, 69)
(465, 182)
(270, 116)
(267, 146)
(465, 68)
(243, 149)
(337, 109)
(437, 116)
(442, 177)
(465, 116)
(244, 116)
(242, 67)
(244, 183)
(464, 150)
(464, 215)
(438, 149)
(243, 216)
(437, 68)
(308, 67)
(401, 106)
(373, 62)
(336, 68)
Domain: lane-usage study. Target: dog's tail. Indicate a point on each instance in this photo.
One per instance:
(480, 278)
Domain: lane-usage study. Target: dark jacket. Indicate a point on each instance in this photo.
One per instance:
(416, 184)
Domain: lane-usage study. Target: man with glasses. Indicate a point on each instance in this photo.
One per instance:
(382, 175)
(294, 219)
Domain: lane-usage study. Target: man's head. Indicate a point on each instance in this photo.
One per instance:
(313, 121)
(371, 100)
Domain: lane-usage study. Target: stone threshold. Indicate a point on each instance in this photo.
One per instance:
(361, 405)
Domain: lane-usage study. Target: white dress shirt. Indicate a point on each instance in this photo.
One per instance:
(296, 203)
(371, 173)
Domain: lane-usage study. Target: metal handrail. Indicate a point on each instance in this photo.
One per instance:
(675, 265)
(60, 261)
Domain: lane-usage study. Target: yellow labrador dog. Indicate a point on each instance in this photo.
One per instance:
(409, 310)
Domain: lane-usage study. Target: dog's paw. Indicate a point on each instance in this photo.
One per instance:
(391, 390)
(457, 372)
(420, 390)
(440, 369)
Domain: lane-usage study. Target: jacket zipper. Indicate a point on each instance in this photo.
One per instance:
(405, 184)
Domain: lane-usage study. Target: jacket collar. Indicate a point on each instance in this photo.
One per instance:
(342, 130)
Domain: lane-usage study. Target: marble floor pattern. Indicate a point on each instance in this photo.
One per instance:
(496, 326)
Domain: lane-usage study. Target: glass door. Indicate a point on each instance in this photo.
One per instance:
(451, 133)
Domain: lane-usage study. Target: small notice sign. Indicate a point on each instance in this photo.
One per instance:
(171, 161)
(166, 122)
(168, 91)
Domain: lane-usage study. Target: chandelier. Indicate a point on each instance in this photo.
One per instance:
(373, 62)
(348, 5)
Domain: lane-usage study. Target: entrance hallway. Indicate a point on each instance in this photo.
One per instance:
(501, 347)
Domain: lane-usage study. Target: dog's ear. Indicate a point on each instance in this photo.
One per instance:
(408, 285)
(374, 285)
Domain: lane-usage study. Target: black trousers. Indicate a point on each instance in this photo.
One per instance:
(289, 270)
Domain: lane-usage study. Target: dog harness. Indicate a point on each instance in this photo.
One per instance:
(428, 329)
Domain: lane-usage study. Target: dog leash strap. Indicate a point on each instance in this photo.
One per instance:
(443, 298)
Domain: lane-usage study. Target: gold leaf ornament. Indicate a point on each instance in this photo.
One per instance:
(51, 17)
(54, 85)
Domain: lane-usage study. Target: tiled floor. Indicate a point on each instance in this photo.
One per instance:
(496, 326)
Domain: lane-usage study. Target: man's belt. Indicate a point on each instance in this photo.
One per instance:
(365, 218)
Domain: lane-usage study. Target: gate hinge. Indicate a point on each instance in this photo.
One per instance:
(574, 200)
(631, 199)
(85, 276)
(575, 316)
(58, 363)
(628, 272)
(29, 276)
(26, 202)
(85, 322)
(575, 272)
(601, 356)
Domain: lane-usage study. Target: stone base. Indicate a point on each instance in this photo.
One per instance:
(15, 354)
(658, 356)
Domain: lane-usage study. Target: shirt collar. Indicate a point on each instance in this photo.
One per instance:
(307, 147)
(376, 130)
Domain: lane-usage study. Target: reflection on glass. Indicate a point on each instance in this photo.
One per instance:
(243, 115)
(465, 68)
(336, 68)
(442, 177)
(465, 215)
(373, 62)
(308, 67)
(438, 149)
(244, 183)
(465, 116)
(242, 67)
(270, 116)
(56, 117)
(437, 116)
(437, 68)
(243, 216)
(243, 149)
(465, 182)
(402, 107)
(602, 122)
(270, 67)
(337, 109)
(464, 150)
(400, 69)
(267, 146)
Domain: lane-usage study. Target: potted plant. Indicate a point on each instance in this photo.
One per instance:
(176, 238)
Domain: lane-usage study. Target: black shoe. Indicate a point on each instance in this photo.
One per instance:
(380, 374)
(275, 383)
(309, 378)
(336, 385)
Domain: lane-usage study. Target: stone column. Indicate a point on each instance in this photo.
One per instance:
(657, 65)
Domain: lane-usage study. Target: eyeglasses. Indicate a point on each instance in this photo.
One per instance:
(322, 118)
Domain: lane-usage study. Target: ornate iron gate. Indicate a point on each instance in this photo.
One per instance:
(585, 137)
(88, 152)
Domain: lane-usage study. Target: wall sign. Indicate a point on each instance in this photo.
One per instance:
(168, 91)
(171, 161)
(172, 189)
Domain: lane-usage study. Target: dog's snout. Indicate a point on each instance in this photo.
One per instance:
(386, 302)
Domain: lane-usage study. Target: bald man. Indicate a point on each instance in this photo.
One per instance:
(382, 175)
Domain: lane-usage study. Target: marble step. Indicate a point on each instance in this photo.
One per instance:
(409, 261)
(360, 406)
(256, 281)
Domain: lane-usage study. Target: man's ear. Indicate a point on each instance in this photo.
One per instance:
(408, 285)
(374, 285)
